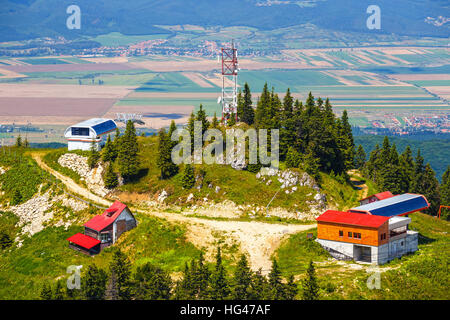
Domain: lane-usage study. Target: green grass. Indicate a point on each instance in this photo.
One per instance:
(422, 275)
(22, 174)
(241, 187)
(51, 159)
(116, 39)
(37, 61)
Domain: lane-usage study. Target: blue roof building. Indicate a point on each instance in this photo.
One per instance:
(398, 205)
(81, 135)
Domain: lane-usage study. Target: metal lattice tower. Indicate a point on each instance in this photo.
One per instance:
(229, 82)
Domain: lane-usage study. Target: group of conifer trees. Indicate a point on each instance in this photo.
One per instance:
(311, 136)
(404, 173)
(120, 153)
(198, 282)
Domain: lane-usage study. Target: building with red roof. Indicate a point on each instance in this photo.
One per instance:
(376, 197)
(365, 237)
(103, 230)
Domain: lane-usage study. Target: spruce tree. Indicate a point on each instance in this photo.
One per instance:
(46, 292)
(93, 284)
(109, 152)
(16, 197)
(293, 158)
(200, 278)
(128, 152)
(201, 116)
(218, 280)
(94, 155)
(184, 289)
(277, 288)
(242, 280)
(188, 179)
(310, 286)
(259, 287)
(232, 120)
(164, 162)
(248, 114)
(19, 141)
(5, 240)
(291, 288)
(111, 180)
(121, 267)
(152, 283)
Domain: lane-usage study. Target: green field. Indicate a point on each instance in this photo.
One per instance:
(116, 39)
(37, 61)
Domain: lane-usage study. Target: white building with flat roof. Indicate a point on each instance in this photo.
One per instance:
(80, 135)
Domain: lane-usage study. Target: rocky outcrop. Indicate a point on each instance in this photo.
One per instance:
(2, 171)
(92, 177)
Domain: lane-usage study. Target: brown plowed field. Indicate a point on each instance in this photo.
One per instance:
(70, 67)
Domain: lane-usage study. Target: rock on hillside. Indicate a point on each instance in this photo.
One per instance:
(93, 178)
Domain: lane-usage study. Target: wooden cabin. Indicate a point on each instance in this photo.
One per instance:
(103, 230)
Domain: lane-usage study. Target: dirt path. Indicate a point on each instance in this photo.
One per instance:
(258, 239)
(359, 184)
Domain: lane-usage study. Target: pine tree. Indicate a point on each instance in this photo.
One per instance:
(128, 152)
(109, 152)
(152, 283)
(188, 179)
(275, 282)
(46, 292)
(164, 162)
(259, 287)
(121, 267)
(348, 150)
(201, 116)
(360, 157)
(200, 278)
(111, 180)
(248, 114)
(191, 129)
(19, 141)
(93, 283)
(310, 286)
(242, 280)
(94, 155)
(184, 289)
(426, 184)
(407, 167)
(293, 158)
(26, 144)
(172, 129)
(215, 122)
(232, 120)
(291, 288)
(218, 280)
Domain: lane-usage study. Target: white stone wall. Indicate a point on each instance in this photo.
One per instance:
(81, 145)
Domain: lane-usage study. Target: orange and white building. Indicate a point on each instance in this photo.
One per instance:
(376, 232)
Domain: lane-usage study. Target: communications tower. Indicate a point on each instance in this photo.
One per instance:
(229, 82)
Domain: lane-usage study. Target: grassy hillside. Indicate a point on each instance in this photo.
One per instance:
(45, 256)
(422, 275)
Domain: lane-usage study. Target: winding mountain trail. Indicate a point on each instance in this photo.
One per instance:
(258, 239)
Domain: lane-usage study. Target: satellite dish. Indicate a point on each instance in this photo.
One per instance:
(219, 99)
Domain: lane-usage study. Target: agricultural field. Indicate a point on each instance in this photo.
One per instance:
(370, 82)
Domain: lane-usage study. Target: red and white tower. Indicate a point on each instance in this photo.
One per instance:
(229, 82)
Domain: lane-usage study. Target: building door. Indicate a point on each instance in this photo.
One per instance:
(394, 249)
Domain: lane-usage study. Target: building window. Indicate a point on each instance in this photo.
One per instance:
(341, 233)
(104, 237)
(357, 235)
(349, 234)
(401, 243)
(383, 236)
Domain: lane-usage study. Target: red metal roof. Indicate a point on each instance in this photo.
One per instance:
(100, 222)
(352, 218)
(380, 196)
(83, 240)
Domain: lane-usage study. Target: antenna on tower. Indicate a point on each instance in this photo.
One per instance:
(230, 69)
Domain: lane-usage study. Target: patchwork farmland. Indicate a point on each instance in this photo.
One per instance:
(368, 82)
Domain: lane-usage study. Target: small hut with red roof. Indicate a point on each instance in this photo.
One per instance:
(103, 230)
